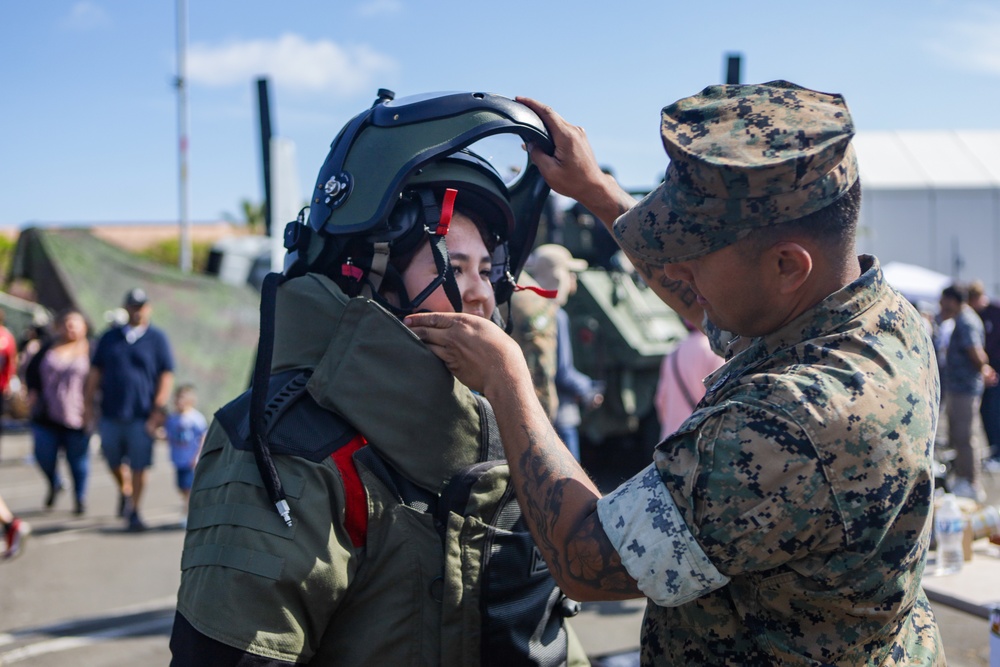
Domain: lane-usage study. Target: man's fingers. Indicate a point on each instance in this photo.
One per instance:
(544, 111)
(422, 320)
(554, 123)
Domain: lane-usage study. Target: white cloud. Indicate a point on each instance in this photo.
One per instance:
(374, 8)
(86, 16)
(290, 61)
(970, 41)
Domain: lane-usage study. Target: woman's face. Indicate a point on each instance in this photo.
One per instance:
(471, 264)
(74, 327)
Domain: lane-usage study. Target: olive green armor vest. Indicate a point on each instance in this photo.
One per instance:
(435, 566)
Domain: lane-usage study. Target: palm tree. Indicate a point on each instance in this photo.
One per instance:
(253, 216)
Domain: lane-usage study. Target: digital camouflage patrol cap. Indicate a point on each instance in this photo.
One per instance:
(741, 157)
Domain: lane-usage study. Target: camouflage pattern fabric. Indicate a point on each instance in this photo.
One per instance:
(805, 477)
(741, 157)
(533, 319)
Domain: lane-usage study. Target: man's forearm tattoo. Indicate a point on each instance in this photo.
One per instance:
(587, 556)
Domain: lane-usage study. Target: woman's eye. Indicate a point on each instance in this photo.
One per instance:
(456, 269)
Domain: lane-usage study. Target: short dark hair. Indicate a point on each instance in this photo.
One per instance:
(834, 225)
(956, 292)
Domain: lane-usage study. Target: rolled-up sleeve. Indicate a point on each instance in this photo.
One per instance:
(656, 546)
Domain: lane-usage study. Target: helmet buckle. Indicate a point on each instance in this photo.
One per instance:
(337, 188)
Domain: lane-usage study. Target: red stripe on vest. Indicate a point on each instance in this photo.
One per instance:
(355, 497)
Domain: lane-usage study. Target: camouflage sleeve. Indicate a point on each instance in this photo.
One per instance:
(753, 484)
(742, 490)
(248, 580)
(654, 542)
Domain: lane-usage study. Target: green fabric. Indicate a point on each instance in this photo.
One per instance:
(305, 594)
(422, 393)
(307, 309)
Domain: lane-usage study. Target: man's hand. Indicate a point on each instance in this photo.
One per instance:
(557, 497)
(572, 169)
(474, 349)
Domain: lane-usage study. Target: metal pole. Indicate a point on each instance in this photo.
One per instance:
(264, 106)
(182, 130)
(733, 66)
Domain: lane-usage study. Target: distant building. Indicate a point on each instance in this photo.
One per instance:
(932, 198)
(139, 236)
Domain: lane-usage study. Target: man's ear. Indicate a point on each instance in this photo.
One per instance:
(794, 265)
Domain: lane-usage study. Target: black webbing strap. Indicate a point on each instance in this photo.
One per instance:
(258, 397)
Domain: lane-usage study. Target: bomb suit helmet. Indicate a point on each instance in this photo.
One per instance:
(383, 188)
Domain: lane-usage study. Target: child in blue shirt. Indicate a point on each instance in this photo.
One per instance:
(186, 429)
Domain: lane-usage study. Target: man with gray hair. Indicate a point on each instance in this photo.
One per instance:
(787, 520)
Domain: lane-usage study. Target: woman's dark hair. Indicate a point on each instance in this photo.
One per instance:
(402, 261)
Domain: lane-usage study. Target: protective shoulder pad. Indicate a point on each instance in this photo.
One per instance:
(295, 424)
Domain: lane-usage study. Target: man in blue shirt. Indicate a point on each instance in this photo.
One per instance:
(133, 369)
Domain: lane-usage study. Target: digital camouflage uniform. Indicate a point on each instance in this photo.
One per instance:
(533, 319)
(787, 520)
(804, 479)
(314, 593)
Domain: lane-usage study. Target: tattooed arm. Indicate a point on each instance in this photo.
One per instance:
(558, 499)
(572, 170)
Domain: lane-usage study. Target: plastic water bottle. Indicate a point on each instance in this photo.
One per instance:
(949, 525)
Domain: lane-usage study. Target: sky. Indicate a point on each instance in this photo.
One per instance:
(89, 109)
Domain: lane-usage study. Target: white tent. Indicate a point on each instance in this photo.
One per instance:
(932, 199)
(915, 282)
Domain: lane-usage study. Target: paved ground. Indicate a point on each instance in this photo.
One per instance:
(89, 594)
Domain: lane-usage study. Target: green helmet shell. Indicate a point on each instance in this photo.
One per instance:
(390, 147)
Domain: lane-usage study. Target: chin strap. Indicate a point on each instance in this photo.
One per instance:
(368, 285)
(439, 249)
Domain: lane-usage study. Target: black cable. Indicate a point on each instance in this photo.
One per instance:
(258, 398)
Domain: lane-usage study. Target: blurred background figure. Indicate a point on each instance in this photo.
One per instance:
(55, 379)
(533, 326)
(989, 410)
(681, 379)
(8, 363)
(186, 428)
(132, 370)
(966, 373)
(554, 268)
(14, 530)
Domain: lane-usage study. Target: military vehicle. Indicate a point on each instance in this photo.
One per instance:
(621, 331)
